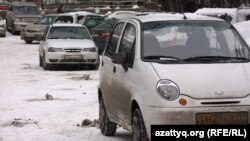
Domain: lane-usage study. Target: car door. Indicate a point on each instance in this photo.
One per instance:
(106, 83)
(123, 74)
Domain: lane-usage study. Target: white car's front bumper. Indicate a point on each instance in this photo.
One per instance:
(71, 58)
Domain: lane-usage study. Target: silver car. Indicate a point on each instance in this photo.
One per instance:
(68, 44)
(21, 14)
(2, 27)
(35, 31)
(173, 69)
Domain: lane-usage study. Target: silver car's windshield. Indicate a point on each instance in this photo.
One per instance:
(26, 10)
(1, 18)
(68, 33)
(192, 41)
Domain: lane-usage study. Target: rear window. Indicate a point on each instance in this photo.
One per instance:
(64, 19)
(93, 21)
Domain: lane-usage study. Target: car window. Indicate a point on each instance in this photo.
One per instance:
(184, 40)
(64, 32)
(80, 19)
(64, 19)
(1, 18)
(128, 42)
(26, 10)
(11, 8)
(93, 21)
(107, 25)
(114, 38)
(47, 20)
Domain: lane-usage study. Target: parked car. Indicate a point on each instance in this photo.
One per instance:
(173, 69)
(233, 15)
(20, 14)
(35, 31)
(2, 27)
(68, 44)
(101, 33)
(119, 14)
(243, 29)
(88, 19)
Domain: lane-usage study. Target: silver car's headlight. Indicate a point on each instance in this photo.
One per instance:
(17, 20)
(52, 49)
(93, 49)
(168, 90)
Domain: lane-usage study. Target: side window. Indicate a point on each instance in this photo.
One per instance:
(113, 41)
(11, 9)
(128, 43)
(247, 17)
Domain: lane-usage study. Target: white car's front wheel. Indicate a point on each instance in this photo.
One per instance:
(44, 64)
(108, 128)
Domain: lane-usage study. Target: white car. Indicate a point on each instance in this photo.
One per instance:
(2, 27)
(87, 19)
(173, 69)
(243, 29)
(68, 44)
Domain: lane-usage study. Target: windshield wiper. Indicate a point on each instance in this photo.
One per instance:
(162, 58)
(217, 58)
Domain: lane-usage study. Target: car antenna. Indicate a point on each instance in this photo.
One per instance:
(182, 11)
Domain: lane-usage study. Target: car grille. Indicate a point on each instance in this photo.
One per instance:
(72, 60)
(31, 31)
(72, 50)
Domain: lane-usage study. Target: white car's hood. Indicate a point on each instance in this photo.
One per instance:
(208, 80)
(70, 43)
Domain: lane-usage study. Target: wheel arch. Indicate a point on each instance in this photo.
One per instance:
(134, 106)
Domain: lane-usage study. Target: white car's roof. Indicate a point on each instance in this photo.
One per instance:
(66, 24)
(169, 16)
(80, 13)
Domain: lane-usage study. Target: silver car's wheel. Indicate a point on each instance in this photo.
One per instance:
(108, 128)
(138, 127)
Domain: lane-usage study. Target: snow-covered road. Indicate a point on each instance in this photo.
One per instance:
(25, 114)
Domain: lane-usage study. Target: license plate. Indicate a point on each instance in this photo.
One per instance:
(72, 57)
(222, 118)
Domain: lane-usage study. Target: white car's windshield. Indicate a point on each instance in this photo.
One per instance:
(68, 32)
(188, 40)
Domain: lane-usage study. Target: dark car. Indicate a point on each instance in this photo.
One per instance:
(100, 33)
(92, 21)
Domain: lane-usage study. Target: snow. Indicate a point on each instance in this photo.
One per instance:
(243, 29)
(26, 115)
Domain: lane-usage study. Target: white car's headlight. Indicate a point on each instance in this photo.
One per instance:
(52, 49)
(168, 90)
(2, 25)
(93, 49)
(17, 20)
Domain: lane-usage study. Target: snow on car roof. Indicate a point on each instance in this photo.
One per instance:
(66, 24)
(174, 16)
(211, 11)
(80, 13)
